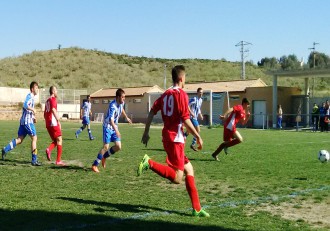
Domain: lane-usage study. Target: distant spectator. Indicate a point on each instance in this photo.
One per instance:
(315, 117)
(322, 112)
(279, 116)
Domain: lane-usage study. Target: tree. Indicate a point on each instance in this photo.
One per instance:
(321, 60)
(269, 63)
(289, 62)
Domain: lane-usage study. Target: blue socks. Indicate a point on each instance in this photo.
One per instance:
(10, 146)
(98, 160)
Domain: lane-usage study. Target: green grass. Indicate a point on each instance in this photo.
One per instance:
(271, 168)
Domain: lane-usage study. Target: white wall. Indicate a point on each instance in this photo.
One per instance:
(10, 95)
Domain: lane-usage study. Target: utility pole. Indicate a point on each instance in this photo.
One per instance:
(314, 54)
(164, 76)
(242, 44)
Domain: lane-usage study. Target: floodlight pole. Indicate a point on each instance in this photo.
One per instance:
(242, 44)
(313, 48)
(164, 76)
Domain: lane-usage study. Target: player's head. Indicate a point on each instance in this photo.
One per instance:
(245, 103)
(179, 75)
(88, 98)
(120, 96)
(34, 87)
(53, 91)
(199, 92)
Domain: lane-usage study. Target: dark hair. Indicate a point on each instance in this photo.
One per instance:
(176, 71)
(51, 89)
(88, 96)
(32, 84)
(119, 92)
(199, 89)
(245, 101)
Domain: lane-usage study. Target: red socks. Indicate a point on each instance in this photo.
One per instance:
(192, 191)
(52, 146)
(233, 142)
(59, 153)
(162, 170)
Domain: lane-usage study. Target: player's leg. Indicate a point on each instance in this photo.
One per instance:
(59, 151)
(31, 131)
(81, 128)
(227, 136)
(52, 145)
(237, 139)
(91, 137)
(11, 145)
(112, 150)
(173, 171)
(196, 126)
(192, 191)
(106, 141)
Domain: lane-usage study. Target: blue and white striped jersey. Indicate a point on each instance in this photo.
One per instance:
(27, 115)
(195, 105)
(87, 106)
(114, 112)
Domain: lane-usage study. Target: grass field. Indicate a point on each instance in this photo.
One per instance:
(273, 181)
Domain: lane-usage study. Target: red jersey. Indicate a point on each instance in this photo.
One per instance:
(235, 116)
(48, 113)
(173, 104)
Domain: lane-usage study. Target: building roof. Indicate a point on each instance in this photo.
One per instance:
(129, 91)
(223, 86)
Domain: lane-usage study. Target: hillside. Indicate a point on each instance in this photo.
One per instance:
(77, 68)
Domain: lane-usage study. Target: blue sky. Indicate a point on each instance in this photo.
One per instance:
(207, 29)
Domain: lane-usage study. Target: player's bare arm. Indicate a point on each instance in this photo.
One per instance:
(127, 118)
(145, 136)
(225, 115)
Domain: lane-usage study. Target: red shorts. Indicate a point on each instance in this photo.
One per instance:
(175, 155)
(54, 132)
(228, 135)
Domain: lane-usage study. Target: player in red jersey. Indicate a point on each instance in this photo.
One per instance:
(231, 137)
(173, 104)
(53, 126)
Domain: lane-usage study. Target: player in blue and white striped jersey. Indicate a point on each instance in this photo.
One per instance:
(195, 105)
(26, 126)
(85, 113)
(110, 129)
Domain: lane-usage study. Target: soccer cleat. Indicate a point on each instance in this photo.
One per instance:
(48, 154)
(95, 169)
(144, 165)
(193, 148)
(76, 134)
(3, 154)
(225, 149)
(36, 163)
(59, 163)
(215, 157)
(201, 213)
(92, 138)
(103, 162)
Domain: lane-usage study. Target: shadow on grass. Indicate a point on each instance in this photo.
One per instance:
(70, 167)
(200, 159)
(44, 220)
(121, 207)
(154, 149)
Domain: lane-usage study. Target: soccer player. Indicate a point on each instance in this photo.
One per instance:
(234, 115)
(26, 127)
(173, 104)
(53, 126)
(194, 108)
(85, 113)
(110, 129)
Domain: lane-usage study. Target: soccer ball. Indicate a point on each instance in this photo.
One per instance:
(323, 156)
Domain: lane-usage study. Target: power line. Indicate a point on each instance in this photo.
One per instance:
(243, 52)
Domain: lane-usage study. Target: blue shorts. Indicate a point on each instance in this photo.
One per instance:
(194, 122)
(85, 120)
(27, 129)
(109, 135)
